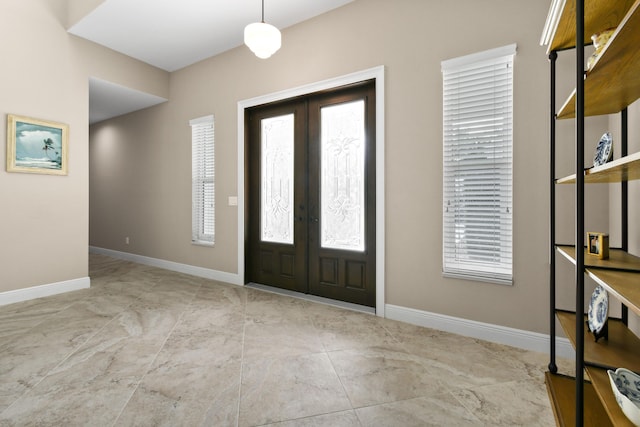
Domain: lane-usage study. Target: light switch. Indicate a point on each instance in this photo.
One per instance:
(233, 201)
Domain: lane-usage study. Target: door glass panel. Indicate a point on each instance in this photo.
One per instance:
(277, 180)
(342, 176)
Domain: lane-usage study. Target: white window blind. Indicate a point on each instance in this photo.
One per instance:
(202, 180)
(478, 165)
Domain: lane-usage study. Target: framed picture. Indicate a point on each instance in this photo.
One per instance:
(598, 245)
(36, 146)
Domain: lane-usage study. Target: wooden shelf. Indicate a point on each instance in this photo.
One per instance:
(618, 259)
(602, 387)
(622, 285)
(613, 82)
(560, 28)
(623, 169)
(620, 350)
(562, 393)
(619, 275)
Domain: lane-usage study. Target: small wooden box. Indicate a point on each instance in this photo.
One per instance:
(598, 245)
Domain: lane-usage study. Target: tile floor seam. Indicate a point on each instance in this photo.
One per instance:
(147, 370)
(360, 421)
(399, 342)
(388, 402)
(204, 415)
(65, 358)
(244, 326)
(375, 405)
(340, 378)
(310, 417)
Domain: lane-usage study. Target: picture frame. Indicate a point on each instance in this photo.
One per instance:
(37, 146)
(598, 245)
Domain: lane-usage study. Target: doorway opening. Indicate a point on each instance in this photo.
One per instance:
(310, 191)
(375, 73)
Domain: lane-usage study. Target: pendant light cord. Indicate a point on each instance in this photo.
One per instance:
(263, 11)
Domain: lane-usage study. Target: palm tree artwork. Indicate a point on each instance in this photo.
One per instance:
(48, 146)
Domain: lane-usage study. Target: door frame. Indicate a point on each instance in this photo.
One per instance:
(376, 73)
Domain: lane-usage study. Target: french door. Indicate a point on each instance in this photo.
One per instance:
(311, 194)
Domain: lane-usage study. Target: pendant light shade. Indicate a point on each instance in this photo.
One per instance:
(263, 39)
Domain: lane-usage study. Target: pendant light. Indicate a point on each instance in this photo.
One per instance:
(263, 39)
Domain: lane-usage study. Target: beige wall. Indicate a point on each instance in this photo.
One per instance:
(44, 219)
(142, 190)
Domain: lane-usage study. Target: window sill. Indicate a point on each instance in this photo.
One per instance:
(465, 276)
(202, 243)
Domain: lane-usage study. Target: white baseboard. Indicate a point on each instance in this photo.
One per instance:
(499, 334)
(33, 292)
(206, 273)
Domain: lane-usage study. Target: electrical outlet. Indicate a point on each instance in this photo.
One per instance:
(126, 240)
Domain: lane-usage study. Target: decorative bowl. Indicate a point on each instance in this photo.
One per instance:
(600, 39)
(626, 387)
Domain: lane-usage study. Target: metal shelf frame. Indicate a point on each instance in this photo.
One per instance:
(579, 209)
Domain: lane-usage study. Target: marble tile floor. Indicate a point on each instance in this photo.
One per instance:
(149, 347)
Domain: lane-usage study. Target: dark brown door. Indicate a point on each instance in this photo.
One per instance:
(277, 234)
(311, 193)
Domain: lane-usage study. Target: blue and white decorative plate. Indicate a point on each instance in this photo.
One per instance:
(604, 150)
(598, 310)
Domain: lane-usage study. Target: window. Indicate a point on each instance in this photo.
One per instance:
(478, 165)
(202, 181)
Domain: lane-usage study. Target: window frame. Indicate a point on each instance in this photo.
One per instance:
(203, 181)
(477, 240)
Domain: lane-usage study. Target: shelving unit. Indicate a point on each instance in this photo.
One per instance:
(619, 170)
(621, 349)
(618, 260)
(612, 82)
(609, 87)
(563, 398)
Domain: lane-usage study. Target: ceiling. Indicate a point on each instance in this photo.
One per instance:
(108, 100)
(172, 34)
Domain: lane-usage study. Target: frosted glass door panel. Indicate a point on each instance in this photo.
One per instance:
(277, 179)
(342, 190)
